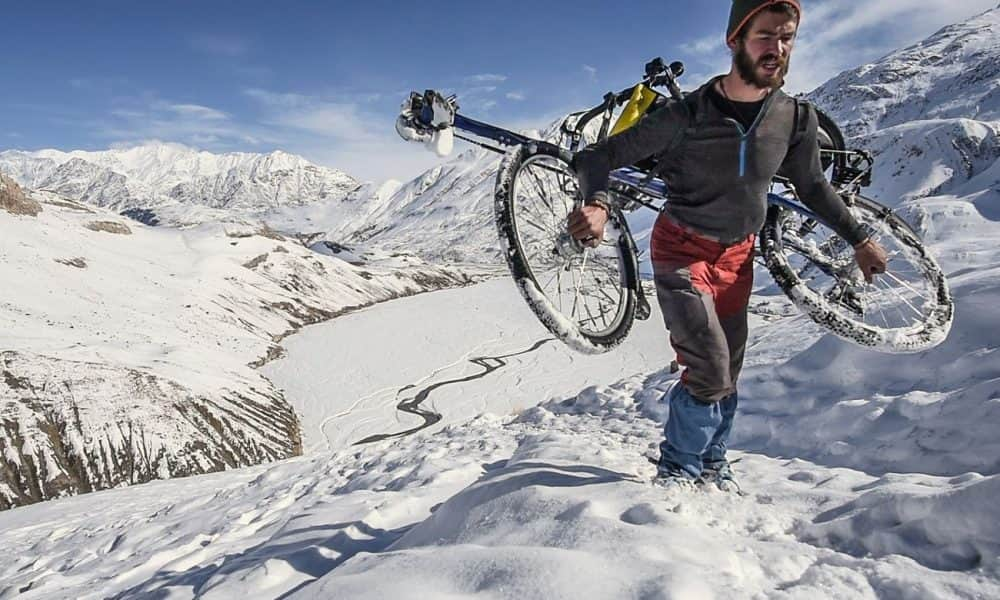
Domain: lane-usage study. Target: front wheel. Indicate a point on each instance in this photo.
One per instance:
(907, 309)
(584, 296)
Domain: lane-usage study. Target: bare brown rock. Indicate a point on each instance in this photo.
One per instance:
(79, 262)
(109, 227)
(13, 200)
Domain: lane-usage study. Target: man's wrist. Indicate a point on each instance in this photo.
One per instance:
(599, 200)
(862, 243)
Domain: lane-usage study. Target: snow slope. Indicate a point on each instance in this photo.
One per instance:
(129, 352)
(551, 503)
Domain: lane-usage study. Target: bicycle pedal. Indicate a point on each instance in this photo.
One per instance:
(642, 308)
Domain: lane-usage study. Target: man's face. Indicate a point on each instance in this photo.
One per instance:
(762, 56)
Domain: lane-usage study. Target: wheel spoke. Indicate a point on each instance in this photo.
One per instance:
(906, 285)
(581, 284)
(540, 187)
(893, 291)
(541, 216)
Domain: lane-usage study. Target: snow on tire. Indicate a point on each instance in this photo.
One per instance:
(525, 261)
(930, 323)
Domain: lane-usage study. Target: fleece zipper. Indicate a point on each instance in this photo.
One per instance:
(746, 133)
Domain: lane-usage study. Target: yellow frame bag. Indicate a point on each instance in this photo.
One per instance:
(642, 98)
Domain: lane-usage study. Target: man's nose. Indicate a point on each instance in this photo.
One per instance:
(778, 47)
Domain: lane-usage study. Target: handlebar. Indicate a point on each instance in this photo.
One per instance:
(658, 74)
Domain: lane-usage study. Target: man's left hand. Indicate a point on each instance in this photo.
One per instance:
(871, 258)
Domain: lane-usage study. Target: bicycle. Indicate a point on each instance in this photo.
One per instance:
(589, 297)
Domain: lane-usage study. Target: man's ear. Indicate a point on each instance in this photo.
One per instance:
(732, 45)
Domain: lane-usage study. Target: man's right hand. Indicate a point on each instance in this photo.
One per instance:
(586, 224)
(871, 258)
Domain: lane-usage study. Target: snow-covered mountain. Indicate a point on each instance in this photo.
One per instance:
(445, 214)
(930, 113)
(129, 352)
(171, 175)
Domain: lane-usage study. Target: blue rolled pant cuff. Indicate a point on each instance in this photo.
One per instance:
(696, 432)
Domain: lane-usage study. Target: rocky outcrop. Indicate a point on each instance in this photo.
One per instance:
(13, 200)
(69, 427)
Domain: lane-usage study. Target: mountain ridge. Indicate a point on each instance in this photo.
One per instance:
(161, 174)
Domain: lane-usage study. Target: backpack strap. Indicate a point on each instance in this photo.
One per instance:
(801, 124)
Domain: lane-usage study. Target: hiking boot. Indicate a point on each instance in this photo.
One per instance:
(673, 478)
(721, 475)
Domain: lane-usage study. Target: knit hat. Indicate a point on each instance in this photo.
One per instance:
(745, 10)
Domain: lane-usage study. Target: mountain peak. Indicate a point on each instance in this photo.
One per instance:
(953, 73)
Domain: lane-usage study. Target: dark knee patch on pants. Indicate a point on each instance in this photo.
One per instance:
(696, 334)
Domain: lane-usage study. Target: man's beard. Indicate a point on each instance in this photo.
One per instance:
(747, 68)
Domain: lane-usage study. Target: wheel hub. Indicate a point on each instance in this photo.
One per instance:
(567, 247)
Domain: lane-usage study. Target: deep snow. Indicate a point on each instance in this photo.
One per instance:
(549, 501)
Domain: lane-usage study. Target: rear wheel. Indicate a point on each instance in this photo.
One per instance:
(907, 309)
(831, 142)
(582, 295)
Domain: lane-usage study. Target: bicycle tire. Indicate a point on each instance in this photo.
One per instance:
(791, 258)
(540, 174)
(830, 138)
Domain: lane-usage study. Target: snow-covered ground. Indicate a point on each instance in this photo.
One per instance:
(129, 351)
(473, 350)
(554, 501)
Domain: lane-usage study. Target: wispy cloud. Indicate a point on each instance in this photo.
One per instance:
(709, 44)
(591, 72)
(220, 45)
(198, 111)
(515, 96)
(486, 77)
(148, 116)
(344, 121)
(99, 84)
(841, 34)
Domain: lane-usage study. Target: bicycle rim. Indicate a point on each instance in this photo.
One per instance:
(906, 309)
(574, 289)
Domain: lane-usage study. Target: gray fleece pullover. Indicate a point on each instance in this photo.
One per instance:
(719, 173)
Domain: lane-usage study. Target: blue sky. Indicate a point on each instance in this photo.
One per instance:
(325, 79)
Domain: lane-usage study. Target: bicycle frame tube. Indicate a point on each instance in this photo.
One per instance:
(629, 176)
(637, 178)
(499, 135)
(775, 199)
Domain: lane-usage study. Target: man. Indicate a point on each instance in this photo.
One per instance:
(718, 151)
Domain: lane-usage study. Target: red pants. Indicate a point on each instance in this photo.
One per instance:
(703, 288)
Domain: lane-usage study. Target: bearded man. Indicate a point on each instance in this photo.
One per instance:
(718, 151)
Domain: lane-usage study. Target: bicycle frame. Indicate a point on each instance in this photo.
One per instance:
(627, 179)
